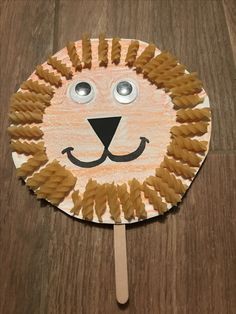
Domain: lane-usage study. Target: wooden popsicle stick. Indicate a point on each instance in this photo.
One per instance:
(121, 272)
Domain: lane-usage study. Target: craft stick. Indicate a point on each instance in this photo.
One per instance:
(121, 272)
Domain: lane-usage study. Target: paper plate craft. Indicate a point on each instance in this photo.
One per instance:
(111, 131)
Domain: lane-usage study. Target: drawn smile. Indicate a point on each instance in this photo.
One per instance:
(106, 154)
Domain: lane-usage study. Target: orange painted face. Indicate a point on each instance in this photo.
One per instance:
(111, 125)
(104, 134)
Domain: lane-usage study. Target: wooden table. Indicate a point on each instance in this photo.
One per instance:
(184, 263)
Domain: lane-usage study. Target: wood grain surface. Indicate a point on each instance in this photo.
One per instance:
(183, 263)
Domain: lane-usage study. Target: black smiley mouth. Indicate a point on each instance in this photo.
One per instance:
(105, 129)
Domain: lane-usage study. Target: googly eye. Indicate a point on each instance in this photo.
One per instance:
(81, 92)
(125, 91)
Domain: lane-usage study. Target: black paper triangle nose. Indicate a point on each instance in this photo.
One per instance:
(105, 128)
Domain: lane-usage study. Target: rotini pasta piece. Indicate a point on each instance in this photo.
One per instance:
(193, 115)
(178, 168)
(162, 69)
(145, 57)
(86, 51)
(100, 201)
(136, 199)
(113, 202)
(171, 180)
(187, 101)
(27, 106)
(88, 200)
(115, 50)
(48, 76)
(103, 51)
(58, 186)
(27, 148)
(74, 57)
(165, 191)
(24, 117)
(190, 129)
(77, 201)
(42, 176)
(193, 145)
(126, 203)
(32, 164)
(35, 86)
(154, 199)
(31, 96)
(156, 62)
(132, 53)
(187, 89)
(183, 154)
(182, 80)
(162, 80)
(60, 67)
(63, 189)
(27, 132)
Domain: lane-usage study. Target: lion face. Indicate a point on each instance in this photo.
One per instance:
(109, 127)
(69, 122)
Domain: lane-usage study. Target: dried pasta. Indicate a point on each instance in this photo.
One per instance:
(74, 57)
(32, 164)
(103, 51)
(126, 203)
(191, 129)
(30, 96)
(24, 117)
(39, 178)
(183, 154)
(115, 50)
(136, 199)
(35, 86)
(155, 62)
(113, 202)
(100, 201)
(189, 144)
(26, 132)
(145, 57)
(57, 186)
(132, 53)
(77, 201)
(187, 89)
(60, 67)
(27, 148)
(182, 80)
(163, 79)
(178, 168)
(193, 115)
(186, 101)
(165, 191)
(154, 199)
(86, 51)
(88, 200)
(48, 76)
(27, 106)
(171, 180)
(166, 66)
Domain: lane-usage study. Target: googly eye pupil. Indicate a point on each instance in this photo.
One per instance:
(124, 88)
(83, 89)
